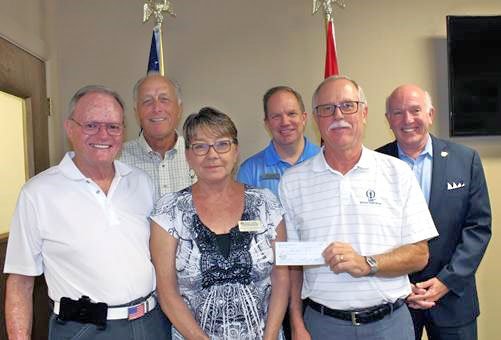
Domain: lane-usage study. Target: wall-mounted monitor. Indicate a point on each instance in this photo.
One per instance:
(474, 56)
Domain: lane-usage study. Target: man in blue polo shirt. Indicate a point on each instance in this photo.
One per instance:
(285, 118)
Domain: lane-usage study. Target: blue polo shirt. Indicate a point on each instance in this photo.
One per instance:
(264, 169)
(421, 166)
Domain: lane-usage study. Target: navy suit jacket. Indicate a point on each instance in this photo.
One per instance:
(459, 205)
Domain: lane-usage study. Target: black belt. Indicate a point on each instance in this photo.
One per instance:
(357, 317)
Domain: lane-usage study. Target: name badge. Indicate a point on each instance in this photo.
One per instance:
(246, 226)
(270, 176)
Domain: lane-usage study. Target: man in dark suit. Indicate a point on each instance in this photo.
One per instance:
(444, 298)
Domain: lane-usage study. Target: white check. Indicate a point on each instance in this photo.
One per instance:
(299, 253)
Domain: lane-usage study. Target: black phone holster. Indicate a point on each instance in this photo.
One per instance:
(83, 311)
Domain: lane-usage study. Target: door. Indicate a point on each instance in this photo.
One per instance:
(23, 75)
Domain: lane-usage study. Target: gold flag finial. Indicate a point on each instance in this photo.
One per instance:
(328, 7)
(157, 8)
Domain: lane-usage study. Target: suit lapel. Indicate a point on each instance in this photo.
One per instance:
(393, 149)
(438, 174)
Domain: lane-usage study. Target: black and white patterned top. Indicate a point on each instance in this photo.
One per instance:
(228, 296)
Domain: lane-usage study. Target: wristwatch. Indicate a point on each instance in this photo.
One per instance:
(371, 261)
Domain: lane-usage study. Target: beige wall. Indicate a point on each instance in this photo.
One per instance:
(30, 25)
(23, 23)
(226, 53)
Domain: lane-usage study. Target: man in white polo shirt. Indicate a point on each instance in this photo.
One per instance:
(83, 224)
(370, 209)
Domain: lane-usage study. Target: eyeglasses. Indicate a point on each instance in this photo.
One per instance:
(346, 108)
(92, 128)
(202, 149)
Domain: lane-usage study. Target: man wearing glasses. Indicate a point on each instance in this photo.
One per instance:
(159, 150)
(444, 299)
(285, 118)
(83, 224)
(368, 210)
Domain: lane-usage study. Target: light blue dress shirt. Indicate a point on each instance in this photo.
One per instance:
(421, 166)
(264, 169)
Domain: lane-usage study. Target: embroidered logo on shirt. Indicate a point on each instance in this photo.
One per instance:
(454, 185)
(267, 176)
(371, 197)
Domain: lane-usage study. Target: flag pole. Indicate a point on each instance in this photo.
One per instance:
(157, 8)
(161, 50)
(331, 64)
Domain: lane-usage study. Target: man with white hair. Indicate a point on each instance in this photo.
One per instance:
(444, 299)
(159, 150)
(369, 209)
(84, 224)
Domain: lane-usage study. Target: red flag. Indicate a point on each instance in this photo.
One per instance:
(331, 67)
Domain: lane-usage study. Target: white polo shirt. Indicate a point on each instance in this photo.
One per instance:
(85, 242)
(376, 207)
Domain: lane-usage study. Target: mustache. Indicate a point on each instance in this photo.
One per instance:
(339, 124)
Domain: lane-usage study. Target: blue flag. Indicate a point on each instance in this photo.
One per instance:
(153, 61)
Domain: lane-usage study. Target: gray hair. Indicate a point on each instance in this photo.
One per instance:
(177, 88)
(281, 88)
(361, 93)
(93, 89)
(215, 121)
(427, 102)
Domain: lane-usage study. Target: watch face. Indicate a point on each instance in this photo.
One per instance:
(371, 261)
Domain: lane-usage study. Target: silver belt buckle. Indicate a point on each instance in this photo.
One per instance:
(354, 321)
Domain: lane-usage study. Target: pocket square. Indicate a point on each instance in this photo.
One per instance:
(454, 185)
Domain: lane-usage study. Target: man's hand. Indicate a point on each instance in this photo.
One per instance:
(342, 258)
(426, 294)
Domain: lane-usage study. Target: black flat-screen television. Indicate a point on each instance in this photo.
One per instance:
(474, 56)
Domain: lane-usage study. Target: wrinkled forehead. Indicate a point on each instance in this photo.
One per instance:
(98, 106)
(338, 90)
(406, 99)
(156, 85)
